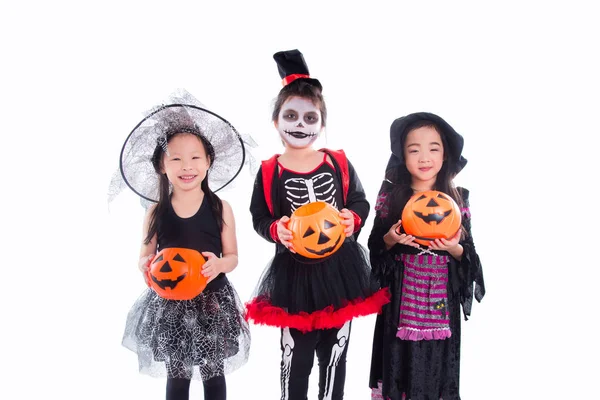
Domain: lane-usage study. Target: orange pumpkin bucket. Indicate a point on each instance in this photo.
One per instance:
(317, 230)
(175, 273)
(431, 215)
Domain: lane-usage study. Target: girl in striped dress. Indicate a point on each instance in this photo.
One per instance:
(416, 345)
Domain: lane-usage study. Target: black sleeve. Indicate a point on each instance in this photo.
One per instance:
(469, 267)
(382, 260)
(356, 199)
(261, 216)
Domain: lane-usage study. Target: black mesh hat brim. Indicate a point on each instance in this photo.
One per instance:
(135, 162)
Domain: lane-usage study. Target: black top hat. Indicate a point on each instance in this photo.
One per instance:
(291, 66)
(400, 128)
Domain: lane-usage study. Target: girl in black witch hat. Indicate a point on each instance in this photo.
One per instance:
(312, 301)
(177, 157)
(416, 345)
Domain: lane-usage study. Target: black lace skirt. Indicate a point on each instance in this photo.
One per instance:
(308, 294)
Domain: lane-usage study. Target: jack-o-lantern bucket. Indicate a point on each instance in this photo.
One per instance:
(316, 229)
(431, 215)
(176, 273)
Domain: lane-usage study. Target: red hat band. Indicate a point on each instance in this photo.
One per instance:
(291, 78)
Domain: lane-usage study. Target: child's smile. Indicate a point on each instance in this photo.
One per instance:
(187, 178)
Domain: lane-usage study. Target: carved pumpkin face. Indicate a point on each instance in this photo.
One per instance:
(317, 230)
(431, 215)
(175, 273)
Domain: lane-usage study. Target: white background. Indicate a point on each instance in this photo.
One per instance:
(518, 80)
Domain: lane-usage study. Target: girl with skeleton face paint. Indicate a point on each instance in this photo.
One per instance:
(312, 301)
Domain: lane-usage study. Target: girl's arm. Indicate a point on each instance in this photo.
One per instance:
(381, 253)
(147, 251)
(356, 201)
(150, 248)
(229, 258)
(229, 239)
(264, 223)
(469, 265)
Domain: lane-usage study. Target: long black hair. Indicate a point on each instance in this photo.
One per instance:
(164, 187)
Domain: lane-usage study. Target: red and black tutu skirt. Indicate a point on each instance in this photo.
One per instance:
(309, 294)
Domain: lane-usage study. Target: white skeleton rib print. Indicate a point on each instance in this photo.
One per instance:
(301, 191)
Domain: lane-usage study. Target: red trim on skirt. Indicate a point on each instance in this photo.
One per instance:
(262, 312)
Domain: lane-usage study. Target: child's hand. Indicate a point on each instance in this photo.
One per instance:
(348, 220)
(445, 244)
(394, 236)
(284, 234)
(144, 266)
(212, 267)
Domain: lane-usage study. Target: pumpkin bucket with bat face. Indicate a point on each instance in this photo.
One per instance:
(431, 215)
(317, 230)
(175, 273)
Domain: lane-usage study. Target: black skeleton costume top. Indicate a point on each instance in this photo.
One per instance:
(300, 188)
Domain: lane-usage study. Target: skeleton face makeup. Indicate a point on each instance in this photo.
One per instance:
(299, 122)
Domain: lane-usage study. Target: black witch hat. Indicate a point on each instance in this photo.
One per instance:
(400, 128)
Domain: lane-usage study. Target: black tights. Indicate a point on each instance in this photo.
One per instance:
(214, 388)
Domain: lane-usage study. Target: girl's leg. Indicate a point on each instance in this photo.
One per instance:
(298, 353)
(331, 353)
(215, 388)
(178, 389)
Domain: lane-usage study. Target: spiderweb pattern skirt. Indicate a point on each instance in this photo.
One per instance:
(192, 339)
